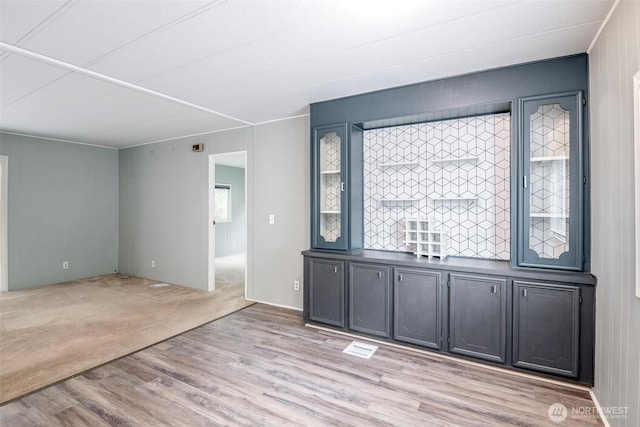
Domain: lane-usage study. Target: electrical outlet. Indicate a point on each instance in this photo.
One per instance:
(65, 265)
(153, 264)
(296, 285)
(272, 219)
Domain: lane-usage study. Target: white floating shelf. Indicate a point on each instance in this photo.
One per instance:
(549, 159)
(469, 201)
(455, 160)
(329, 172)
(548, 215)
(398, 202)
(397, 164)
(331, 212)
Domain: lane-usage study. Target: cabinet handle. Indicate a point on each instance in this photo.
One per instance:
(524, 181)
(335, 269)
(379, 274)
(524, 292)
(342, 186)
(400, 278)
(494, 289)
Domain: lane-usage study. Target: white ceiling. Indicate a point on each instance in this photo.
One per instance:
(123, 73)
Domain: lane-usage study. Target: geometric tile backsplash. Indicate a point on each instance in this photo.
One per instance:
(453, 171)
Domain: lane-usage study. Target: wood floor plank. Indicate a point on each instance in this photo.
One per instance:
(261, 366)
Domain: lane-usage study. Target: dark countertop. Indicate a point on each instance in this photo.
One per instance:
(456, 264)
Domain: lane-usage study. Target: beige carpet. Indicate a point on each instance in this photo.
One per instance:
(54, 332)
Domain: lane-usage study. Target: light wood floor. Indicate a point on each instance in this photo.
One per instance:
(52, 332)
(261, 366)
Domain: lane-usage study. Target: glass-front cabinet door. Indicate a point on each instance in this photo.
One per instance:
(329, 225)
(550, 196)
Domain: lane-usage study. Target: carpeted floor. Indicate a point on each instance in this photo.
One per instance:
(53, 332)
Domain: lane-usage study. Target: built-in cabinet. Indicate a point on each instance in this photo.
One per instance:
(546, 327)
(534, 312)
(551, 182)
(336, 187)
(331, 196)
(326, 291)
(370, 299)
(477, 316)
(417, 311)
(539, 322)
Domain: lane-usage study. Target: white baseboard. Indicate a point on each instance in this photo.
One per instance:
(599, 408)
(273, 304)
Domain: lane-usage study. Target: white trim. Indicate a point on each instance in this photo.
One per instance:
(455, 359)
(604, 24)
(4, 247)
(279, 305)
(636, 131)
(282, 119)
(211, 258)
(603, 418)
(183, 136)
(57, 139)
(112, 80)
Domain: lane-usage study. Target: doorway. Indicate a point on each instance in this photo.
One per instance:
(227, 220)
(4, 264)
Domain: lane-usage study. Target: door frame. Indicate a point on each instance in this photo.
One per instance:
(211, 259)
(4, 258)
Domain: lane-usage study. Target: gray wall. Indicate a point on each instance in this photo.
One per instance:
(164, 203)
(164, 208)
(280, 164)
(613, 61)
(230, 236)
(62, 206)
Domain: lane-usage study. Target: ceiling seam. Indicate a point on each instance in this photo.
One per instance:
(42, 25)
(361, 45)
(113, 80)
(68, 141)
(161, 28)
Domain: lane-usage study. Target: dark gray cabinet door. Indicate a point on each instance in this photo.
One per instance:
(551, 182)
(546, 328)
(417, 307)
(329, 205)
(370, 299)
(326, 293)
(477, 317)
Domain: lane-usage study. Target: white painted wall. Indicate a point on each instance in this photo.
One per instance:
(614, 59)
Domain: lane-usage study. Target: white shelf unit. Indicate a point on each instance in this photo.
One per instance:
(425, 238)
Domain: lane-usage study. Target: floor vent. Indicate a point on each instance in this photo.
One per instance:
(360, 349)
(159, 285)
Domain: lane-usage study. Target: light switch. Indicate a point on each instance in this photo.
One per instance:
(272, 219)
